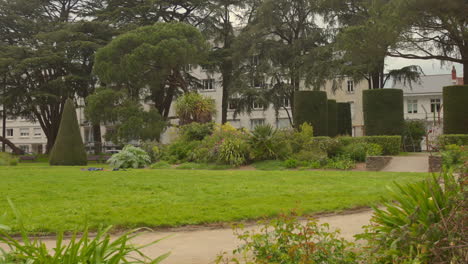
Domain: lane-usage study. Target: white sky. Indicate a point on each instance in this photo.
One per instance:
(430, 67)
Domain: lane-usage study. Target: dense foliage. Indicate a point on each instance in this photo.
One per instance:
(344, 120)
(332, 118)
(194, 107)
(311, 107)
(413, 133)
(69, 149)
(455, 117)
(460, 140)
(391, 145)
(383, 112)
(8, 159)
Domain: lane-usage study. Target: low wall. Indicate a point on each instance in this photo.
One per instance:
(377, 163)
(435, 163)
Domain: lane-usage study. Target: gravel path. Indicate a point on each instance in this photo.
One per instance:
(412, 163)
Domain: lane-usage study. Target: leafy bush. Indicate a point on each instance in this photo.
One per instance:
(454, 156)
(291, 163)
(391, 145)
(331, 146)
(342, 162)
(196, 131)
(360, 151)
(233, 151)
(301, 137)
(412, 228)
(266, 144)
(8, 159)
(180, 151)
(383, 111)
(130, 157)
(287, 240)
(154, 150)
(413, 134)
(460, 140)
(455, 118)
(100, 248)
(311, 156)
(161, 165)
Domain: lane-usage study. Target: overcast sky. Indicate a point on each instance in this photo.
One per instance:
(430, 67)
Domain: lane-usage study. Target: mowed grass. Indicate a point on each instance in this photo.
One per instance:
(55, 199)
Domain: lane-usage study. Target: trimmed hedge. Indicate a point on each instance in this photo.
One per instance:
(344, 122)
(391, 145)
(455, 105)
(460, 140)
(68, 149)
(332, 118)
(311, 107)
(383, 112)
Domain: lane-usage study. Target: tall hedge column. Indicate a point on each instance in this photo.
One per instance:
(344, 122)
(332, 118)
(68, 149)
(383, 112)
(312, 107)
(455, 109)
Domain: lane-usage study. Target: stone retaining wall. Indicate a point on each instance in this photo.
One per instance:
(377, 163)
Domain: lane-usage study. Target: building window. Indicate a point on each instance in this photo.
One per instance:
(24, 148)
(352, 106)
(350, 86)
(24, 132)
(9, 132)
(208, 85)
(232, 106)
(257, 106)
(282, 123)
(258, 83)
(256, 122)
(37, 132)
(286, 103)
(412, 106)
(435, 105)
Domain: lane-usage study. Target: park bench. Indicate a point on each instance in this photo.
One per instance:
(98, 159)
(27, 158)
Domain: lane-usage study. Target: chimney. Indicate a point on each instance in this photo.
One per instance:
(454, 75)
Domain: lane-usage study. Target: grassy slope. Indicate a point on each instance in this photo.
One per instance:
(59, 198)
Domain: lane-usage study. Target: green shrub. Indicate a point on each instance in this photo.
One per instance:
(391, 145)
(344, 120)
(266, 144)
(460, 140)
(180, 151)
(312, 107)
(419, 224)
(311, 156)
(332, 118)
(331, 146)
(289, 240)
(130, 157)
(194, 107)
(301, 137)
(154, 150)
(342, 162)
(196, 131)
(383, 112)
(413, 133)
(455, 117)
(161, 165)
(359, 151)
(291, 163)
(68, 149)
(8, 159)
(233, 151)
(454, 156)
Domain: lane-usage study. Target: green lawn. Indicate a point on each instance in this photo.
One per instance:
(64, 198)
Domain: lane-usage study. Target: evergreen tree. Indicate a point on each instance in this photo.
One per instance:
(68, 149)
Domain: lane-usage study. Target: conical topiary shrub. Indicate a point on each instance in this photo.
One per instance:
(345, 124)
(311, 107)
(383, 112)
(68, 149)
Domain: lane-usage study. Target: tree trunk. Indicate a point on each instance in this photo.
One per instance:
(15, 149)
(465, 72)
(97, 139)
(226, 65)
(4, 117)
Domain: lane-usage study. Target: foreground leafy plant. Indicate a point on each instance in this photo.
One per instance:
(287, 240)
(101, 249)
(424, 223)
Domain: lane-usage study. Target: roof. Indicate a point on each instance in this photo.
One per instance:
(429, 84)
